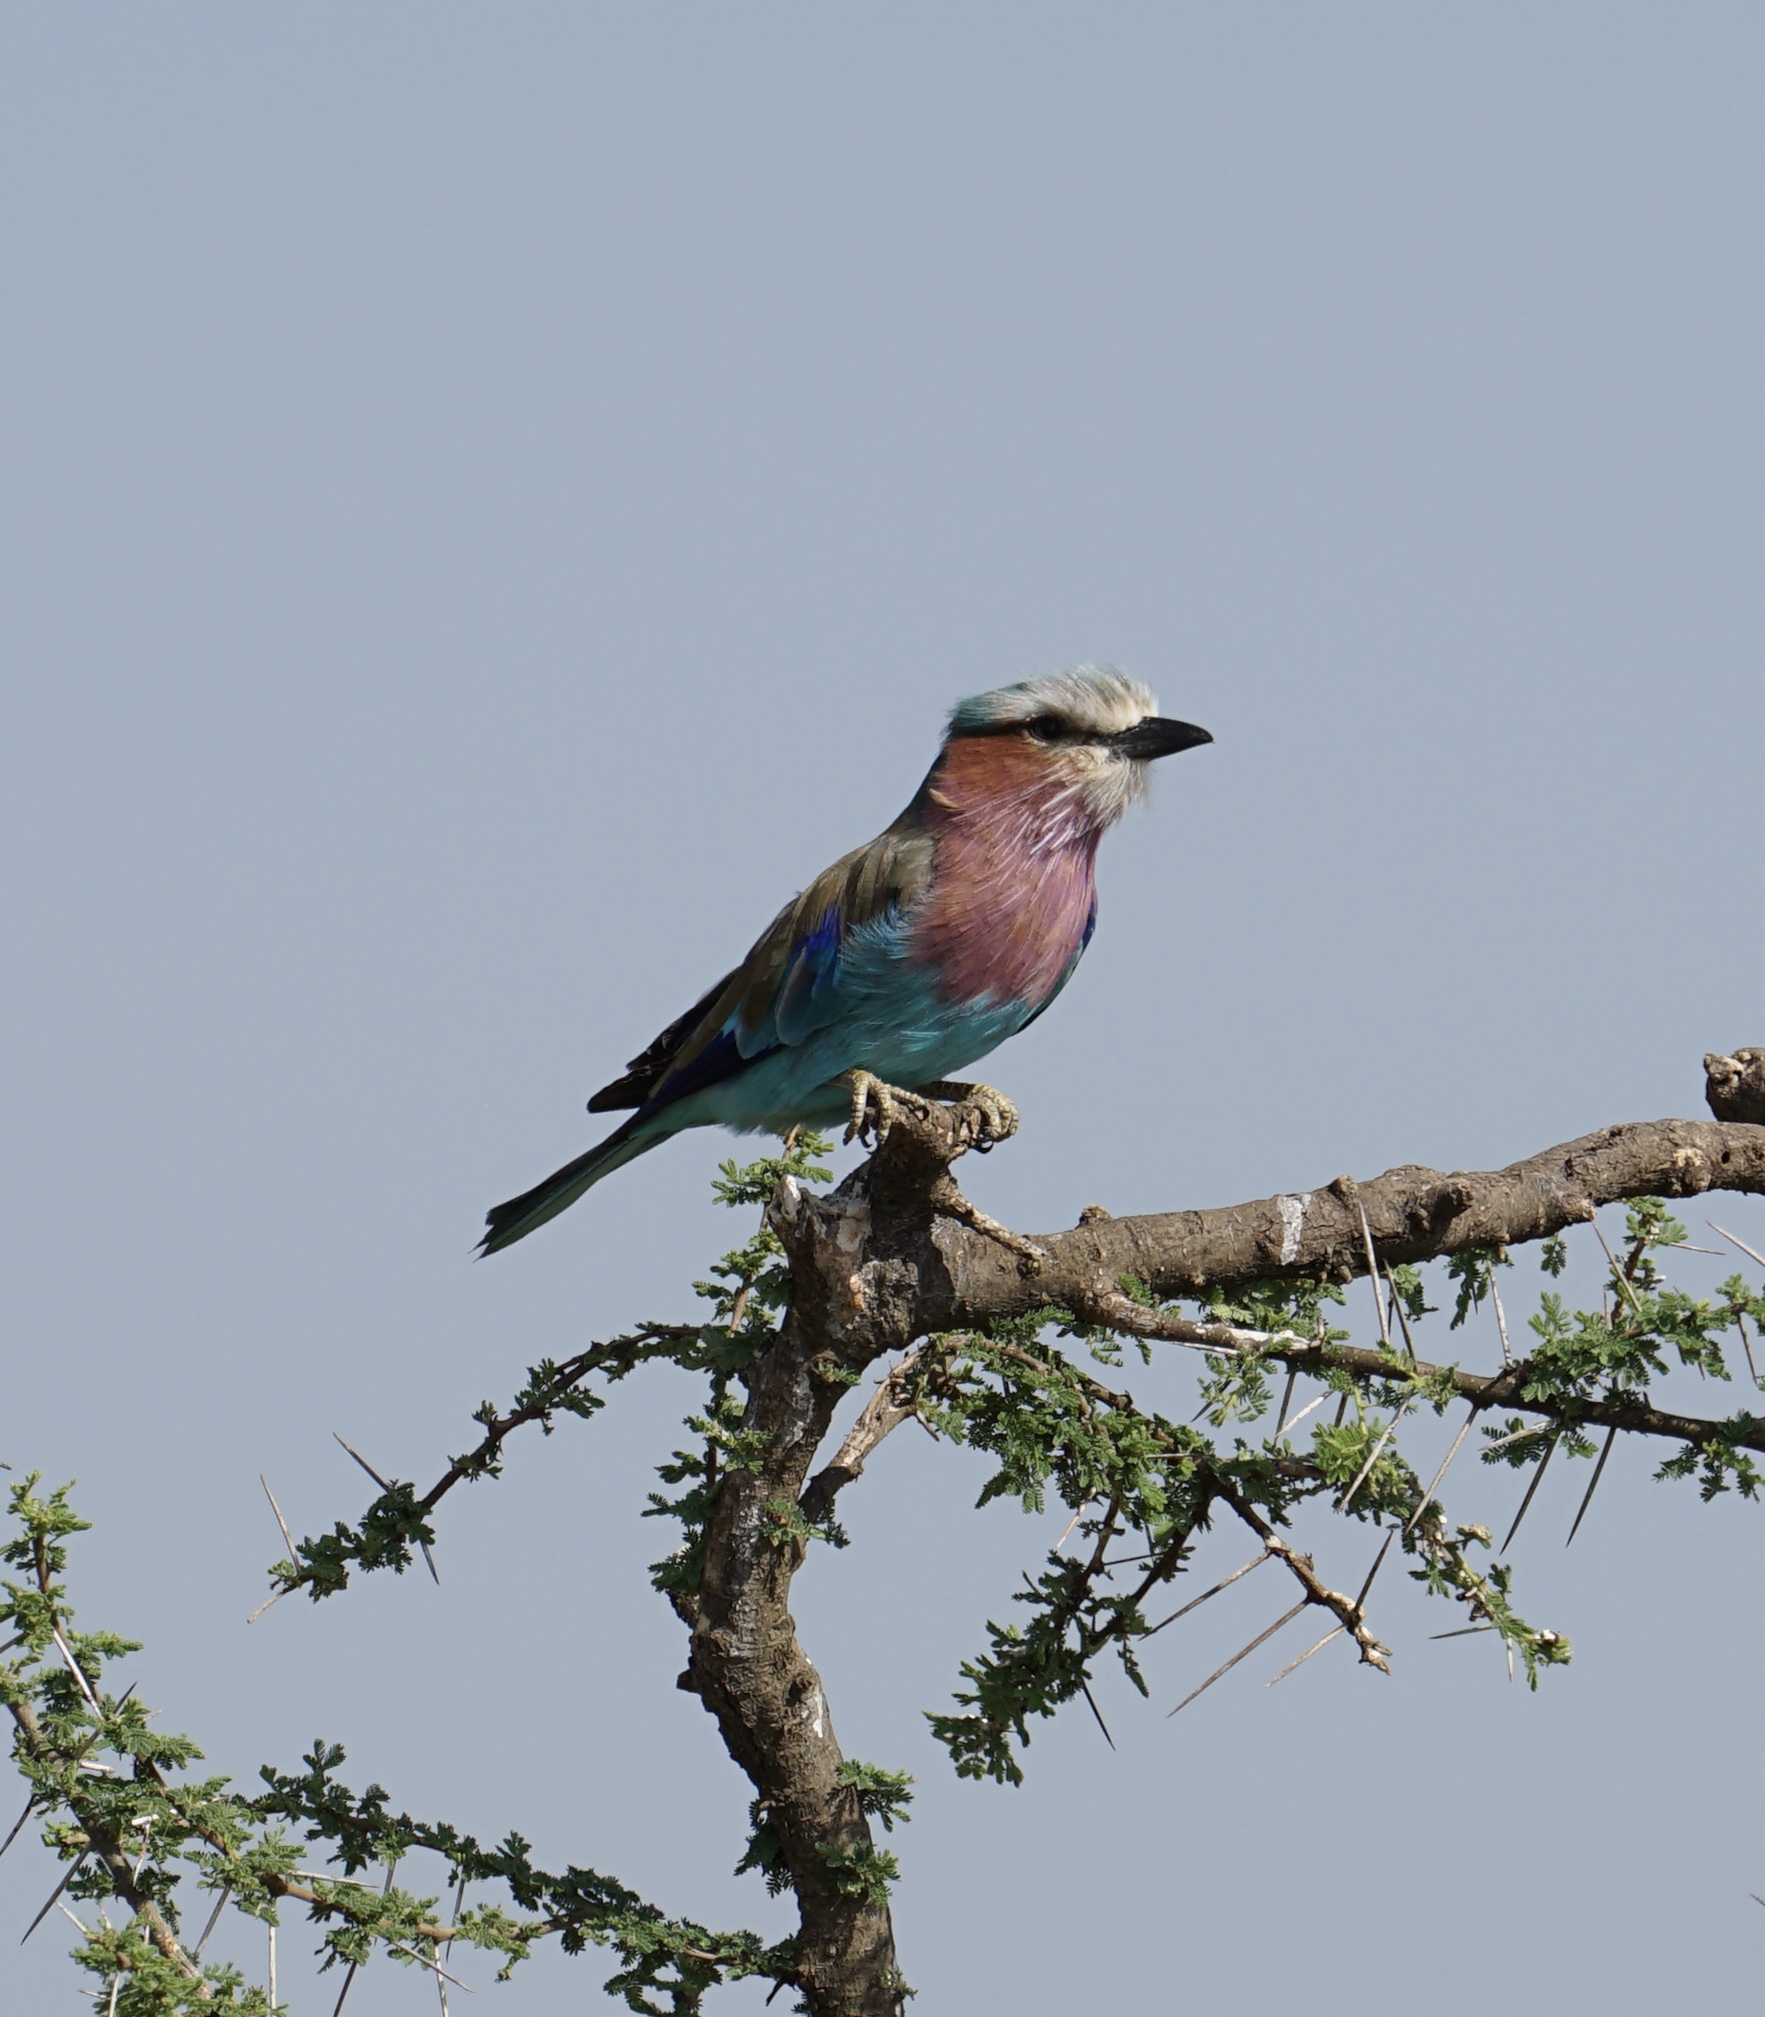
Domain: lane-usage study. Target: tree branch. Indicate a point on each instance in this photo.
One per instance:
(1505, 1389)
(1413, 1213)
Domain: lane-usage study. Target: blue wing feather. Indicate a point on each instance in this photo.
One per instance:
(788, 987)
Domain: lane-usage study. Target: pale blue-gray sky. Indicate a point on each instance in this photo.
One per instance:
(495, 497)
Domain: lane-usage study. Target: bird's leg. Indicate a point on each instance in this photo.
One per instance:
(873, 1106)
(998, 1114)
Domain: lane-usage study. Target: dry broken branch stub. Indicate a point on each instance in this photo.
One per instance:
(1734, 1086)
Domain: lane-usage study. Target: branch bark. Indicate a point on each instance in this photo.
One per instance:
(1415, 1214)
(895, 1254)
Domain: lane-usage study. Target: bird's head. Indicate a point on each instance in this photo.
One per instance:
(1089, 733)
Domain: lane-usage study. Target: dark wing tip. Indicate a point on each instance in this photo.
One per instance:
(630, 1091)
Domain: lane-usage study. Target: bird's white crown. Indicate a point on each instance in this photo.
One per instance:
(1095, 699)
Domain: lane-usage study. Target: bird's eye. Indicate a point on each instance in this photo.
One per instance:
(1047, 728)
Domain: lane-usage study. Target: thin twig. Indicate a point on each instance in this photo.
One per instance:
(1463, 1632)
(1286, 1618)
(385, 1487)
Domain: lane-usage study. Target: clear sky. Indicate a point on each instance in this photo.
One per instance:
(496, 497)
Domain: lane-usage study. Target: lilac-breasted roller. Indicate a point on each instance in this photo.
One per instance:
(913, 956)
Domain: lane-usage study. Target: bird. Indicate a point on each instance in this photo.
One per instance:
(912, 957)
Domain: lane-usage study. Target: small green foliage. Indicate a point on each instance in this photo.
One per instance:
(764, 1853)
(1141, 1490)
(1473, 1268)
(755, 1183)
(1717, 1464)
(860, 1869)
(1410, 1292)
(115, 1804)
(882, 1795)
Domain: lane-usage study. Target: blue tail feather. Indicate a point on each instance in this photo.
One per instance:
(514, 1220)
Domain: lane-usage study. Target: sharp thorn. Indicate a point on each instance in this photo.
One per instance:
(1309, 1651)
(287, 1537)
(54, 1897)
(1367, 1467)
(1501, 1320)
(366, 1466)
(1306, 1410)
(1286, 1618)
(1434, 1486)
(30, 1806)
(1286, 1403)
(1098, 1713)
(1378, 1563)
(1593, 1482)
(1373, 1270)
(1537, 1476)
(220, 1905)
(1224, 1583)
(1548, 1427)
(1750, 1253)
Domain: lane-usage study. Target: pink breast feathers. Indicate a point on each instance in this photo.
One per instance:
(1015, 878)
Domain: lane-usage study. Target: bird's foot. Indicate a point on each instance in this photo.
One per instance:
(874, 1106)
(998, 1115)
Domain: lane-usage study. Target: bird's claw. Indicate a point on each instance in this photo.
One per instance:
(876, 1105)
(873, 1108)
(998, 1115)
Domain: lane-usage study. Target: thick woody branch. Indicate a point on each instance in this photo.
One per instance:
(1414, 1214)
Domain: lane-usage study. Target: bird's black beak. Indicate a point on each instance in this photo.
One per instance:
(1157, 736)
